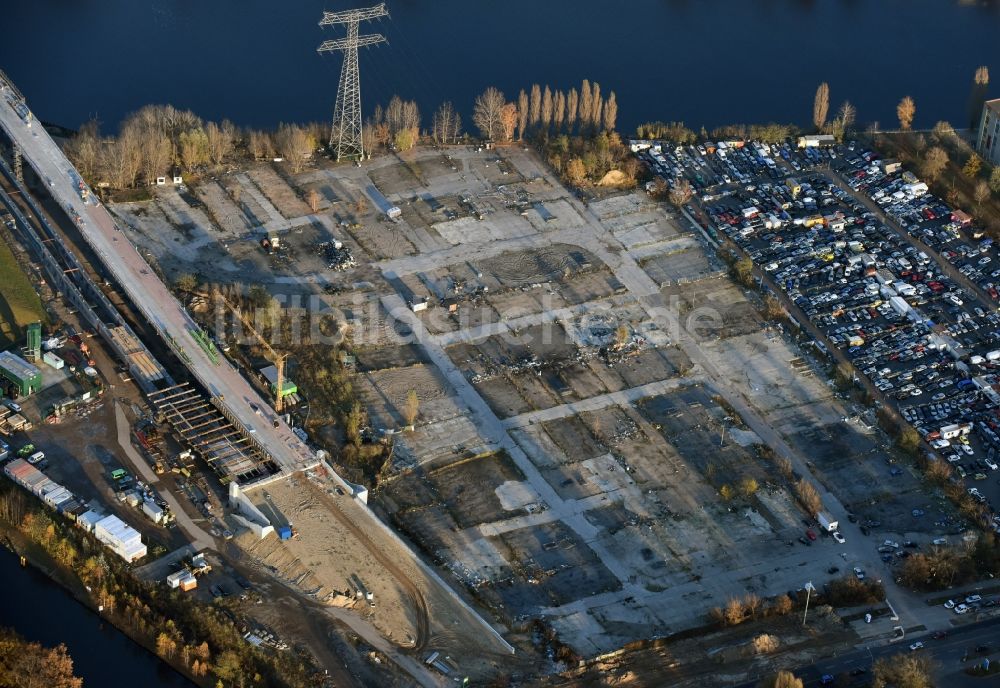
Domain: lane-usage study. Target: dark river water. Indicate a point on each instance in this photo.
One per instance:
(705, 62)
(43, 612)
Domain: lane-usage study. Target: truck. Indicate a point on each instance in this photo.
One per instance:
(827, 522)
(899, 305)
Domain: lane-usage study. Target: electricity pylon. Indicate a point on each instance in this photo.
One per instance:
(345, 135)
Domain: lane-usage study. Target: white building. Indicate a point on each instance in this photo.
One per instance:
(988, 140)
(121, 538)
(816, 141)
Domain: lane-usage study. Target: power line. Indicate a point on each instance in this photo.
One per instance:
(345, 134)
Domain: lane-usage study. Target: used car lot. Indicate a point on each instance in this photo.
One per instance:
(892, 276)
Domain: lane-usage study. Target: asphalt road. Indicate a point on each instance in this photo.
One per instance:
(952, 654)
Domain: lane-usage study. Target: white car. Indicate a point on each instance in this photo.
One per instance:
(859, 573)
(961, 609)
(950, 604)
(967, 449)
(916, 646)
(991, 464)
(838, 537)
(973, 598)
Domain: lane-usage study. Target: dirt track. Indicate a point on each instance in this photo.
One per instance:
(404, 581)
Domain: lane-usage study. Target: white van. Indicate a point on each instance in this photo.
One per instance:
(36, 457)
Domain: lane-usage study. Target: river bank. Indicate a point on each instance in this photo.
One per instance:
(205, 641)
(45, 605)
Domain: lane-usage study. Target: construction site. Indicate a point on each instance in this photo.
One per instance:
(578, 400)
(578, 370)
(563, 428)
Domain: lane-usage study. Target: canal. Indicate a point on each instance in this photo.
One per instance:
(43, 612)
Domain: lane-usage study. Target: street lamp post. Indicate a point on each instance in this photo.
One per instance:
(809, 588)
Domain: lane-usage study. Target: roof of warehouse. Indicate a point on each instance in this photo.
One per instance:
(117, 528)
(18, 366)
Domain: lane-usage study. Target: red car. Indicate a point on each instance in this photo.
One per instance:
(811, 535)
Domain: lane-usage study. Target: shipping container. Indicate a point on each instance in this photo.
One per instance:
(52, 360)
(152, 510)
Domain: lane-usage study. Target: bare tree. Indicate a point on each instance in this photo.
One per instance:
(412, 408)
(295, 144)
(112, 165)
(596, 106)
(522, 114)
(411, 115)
(487, 110)
(559, 110)
(536, 105)
(443, 129)
(394, 115)
(844, 120)
(508, 121)
(572, 105)
(935, 161)
(980, 193)
(809, 497)
(157, 154)
(259, 144)
(130, 144)
(547, 107)
(905, 112)
(610, 112)
(85, 150)
(369, 138)
(586, 105)
(193, 148)
(313, 198)
(821, 105)
(220, 141)
(402, 114)
(378, 128)
(456, 128)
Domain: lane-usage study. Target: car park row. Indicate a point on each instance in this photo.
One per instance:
(853, 243)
